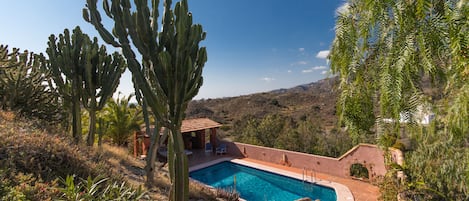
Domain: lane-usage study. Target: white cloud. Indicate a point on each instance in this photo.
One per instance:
(302, 62)
(324, 72)
(301, 49)
(314, 68)
(307, 71)
(318, 67)
(343, 9)
(267, 79)
(289, 71)
(299, 63)
(322, 54)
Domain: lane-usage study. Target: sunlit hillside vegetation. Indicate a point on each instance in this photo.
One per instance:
(34, 164)
(390, 58)
(38, 164)
(301, 118)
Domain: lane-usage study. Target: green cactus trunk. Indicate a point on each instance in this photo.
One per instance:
(154, 145)
(92, 127)
(154, 141)
(178, 166)
(102, 72)
(170, 74)
(64, 66)
(76, 112)
(79, 67)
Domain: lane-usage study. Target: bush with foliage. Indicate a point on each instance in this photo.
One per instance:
(396, 58)
(31, 161)
(98, 189)
(281, 132)
(24, 87)
(19, 186)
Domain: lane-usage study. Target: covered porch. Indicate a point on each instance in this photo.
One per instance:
(199, 135)
(200, 132)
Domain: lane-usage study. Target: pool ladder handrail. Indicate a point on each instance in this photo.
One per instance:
(312, 175)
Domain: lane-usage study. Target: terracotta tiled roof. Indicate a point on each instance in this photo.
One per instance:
(189, 125)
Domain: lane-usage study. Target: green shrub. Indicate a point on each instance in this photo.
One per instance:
(18, 186)
(359, 171)
(99, 189)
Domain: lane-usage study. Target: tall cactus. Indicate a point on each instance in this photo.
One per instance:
(101, 75)
(65, 64)
(23, 86)
(155, 137)
(8, 60)
(170, 73)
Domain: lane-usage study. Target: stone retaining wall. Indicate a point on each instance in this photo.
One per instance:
(367, 155)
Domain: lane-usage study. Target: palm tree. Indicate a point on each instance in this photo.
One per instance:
(123, 118)
(384, 53)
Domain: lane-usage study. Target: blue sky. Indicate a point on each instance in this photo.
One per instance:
(253, 45)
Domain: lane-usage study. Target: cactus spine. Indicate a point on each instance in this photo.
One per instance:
(170, 73)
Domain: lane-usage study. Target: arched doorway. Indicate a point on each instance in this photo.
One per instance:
(358, 170)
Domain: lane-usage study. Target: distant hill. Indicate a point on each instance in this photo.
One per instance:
(315, 100)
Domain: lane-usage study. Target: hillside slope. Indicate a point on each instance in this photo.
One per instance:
(34, 162)
(315, 100)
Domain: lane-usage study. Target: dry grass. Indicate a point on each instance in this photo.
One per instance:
(133, 169)
(38, 158)
(7, 116)
(31, 157)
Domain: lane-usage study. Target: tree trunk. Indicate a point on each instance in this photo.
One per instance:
(76, 121)
(92, 127)
(101, 129)
(154, 144)
(179, 169)
(76, 130)
(151, 157)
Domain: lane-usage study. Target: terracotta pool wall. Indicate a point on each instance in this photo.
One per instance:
(368, 155)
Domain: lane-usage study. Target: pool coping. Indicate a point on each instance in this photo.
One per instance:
(343, 193)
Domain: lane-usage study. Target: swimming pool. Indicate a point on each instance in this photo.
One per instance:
(255, 184)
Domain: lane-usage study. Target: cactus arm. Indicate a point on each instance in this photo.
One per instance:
(95, 18)
(64, 61)
(170, 73)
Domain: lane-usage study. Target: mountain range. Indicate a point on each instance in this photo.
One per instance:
(315, 101)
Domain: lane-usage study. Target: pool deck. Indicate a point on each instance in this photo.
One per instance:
(347, 189)
(361, 191)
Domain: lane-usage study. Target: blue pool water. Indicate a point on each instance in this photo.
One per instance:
(253, 184)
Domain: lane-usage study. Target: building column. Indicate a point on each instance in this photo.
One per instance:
(213, 138)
